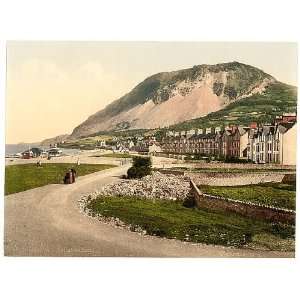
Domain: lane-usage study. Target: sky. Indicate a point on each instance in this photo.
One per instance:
(52, 87)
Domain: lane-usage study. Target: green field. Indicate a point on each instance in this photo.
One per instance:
(173, 220)
(20, 178)
(273, 194)
(115, 155)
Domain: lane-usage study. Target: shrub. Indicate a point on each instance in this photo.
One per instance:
(230, 92)
(131, 172)
(141, 167)
(218, 88)
(139, 161)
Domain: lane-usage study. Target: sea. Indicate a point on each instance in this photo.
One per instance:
(19, 148)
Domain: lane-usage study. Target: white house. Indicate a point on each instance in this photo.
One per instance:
(287, 135)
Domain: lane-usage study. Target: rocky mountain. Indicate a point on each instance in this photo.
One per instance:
(168, 98)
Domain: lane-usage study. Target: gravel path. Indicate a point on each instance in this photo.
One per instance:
(46, 221)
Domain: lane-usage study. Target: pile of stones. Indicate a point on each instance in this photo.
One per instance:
(155, 186)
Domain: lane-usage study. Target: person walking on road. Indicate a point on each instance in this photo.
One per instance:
(73, 175)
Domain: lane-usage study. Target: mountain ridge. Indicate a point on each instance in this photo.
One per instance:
(168, 98)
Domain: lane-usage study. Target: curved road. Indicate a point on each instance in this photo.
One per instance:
(46, 222)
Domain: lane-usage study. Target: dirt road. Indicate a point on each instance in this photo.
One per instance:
(46, 222)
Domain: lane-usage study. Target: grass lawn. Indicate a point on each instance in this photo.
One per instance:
(173, 220)
(115, 155)
(20, 178)
(273, 194)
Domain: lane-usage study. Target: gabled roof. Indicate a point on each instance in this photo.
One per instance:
(284, 127)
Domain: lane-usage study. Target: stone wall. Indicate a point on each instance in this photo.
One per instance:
(246, 209)
(233, 179)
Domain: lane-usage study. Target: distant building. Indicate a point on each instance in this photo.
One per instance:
(154, 148)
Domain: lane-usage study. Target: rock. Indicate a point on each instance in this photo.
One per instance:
(157, 185)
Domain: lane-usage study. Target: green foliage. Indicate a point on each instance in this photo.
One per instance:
(20, 178)
(141, 167)
(218, 88)
(230, 92)
(273, 194)
(139, 161)
(173, 220)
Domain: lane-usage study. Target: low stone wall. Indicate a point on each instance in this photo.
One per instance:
(233, 179)
(272, 214)
(289, 178)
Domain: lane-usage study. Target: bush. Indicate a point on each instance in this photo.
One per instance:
(131, 172)
(139, 161)
(141, 167)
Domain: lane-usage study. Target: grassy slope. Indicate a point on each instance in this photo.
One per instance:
(277, 99)
(20, 178)
(172, 220)
(273, 194)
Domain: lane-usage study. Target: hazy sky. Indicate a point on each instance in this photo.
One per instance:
(54, 86)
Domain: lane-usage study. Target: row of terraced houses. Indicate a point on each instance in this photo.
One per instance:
(267, 143)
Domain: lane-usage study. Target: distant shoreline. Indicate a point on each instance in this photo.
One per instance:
(16, 148)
